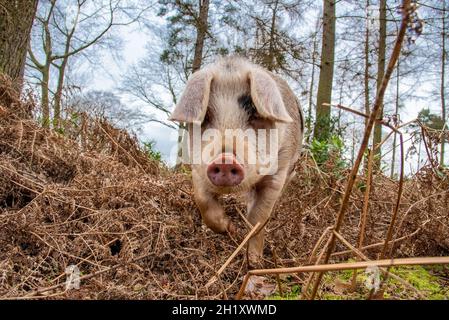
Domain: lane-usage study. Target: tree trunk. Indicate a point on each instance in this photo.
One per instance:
(201, 31)
(324, 95)
(366, 75)
(45, 82)
(367, 64)
(16, 20)
(443, 79)
(270, 62)
(377, 139)
(200, 35)
(353, 145)
(393, 157)
(58, 94)
(45, 101)
(340, 102)
(312, 84)
(45, 68)
(61, 78)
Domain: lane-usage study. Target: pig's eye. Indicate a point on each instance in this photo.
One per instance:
(207, 118)
(247, 104)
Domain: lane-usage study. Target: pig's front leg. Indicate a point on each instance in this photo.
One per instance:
(260, 208)
(212, 212)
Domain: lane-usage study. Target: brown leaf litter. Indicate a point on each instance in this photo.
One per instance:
(92, 198)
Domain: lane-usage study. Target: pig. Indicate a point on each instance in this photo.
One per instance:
(235, 94)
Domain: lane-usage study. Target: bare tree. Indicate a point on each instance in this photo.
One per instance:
(158, 78)
(64, 30)
(105, 105)
(149, 82)
(273, 43)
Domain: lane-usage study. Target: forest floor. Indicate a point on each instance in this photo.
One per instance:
(90, 197)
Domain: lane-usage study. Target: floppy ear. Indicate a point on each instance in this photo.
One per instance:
(192, 105)
(267, 97)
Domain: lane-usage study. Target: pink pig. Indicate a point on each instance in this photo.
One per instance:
(234, 96)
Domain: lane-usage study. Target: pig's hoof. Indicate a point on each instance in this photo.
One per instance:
(221, 228)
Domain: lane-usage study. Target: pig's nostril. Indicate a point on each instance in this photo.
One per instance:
(225, 172)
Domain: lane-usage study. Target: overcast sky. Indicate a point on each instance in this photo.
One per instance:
(108, 78)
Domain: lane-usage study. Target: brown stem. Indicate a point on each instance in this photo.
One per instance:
(377, 106)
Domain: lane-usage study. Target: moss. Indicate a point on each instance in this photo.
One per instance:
(421, 278)
(424, 279)
(293, 294)
(347, 275)
(287, 297)
(329, 296)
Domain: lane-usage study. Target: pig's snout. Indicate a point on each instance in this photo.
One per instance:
(225, 171)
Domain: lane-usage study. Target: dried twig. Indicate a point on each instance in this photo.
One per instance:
(369, 126)
(362, 256)
(343, 266)
(365, 209)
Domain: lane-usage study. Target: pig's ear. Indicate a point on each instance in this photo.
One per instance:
(192, 105)
(267, 97)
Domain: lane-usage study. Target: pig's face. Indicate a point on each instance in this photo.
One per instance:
(230, 158)
(235, 114)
